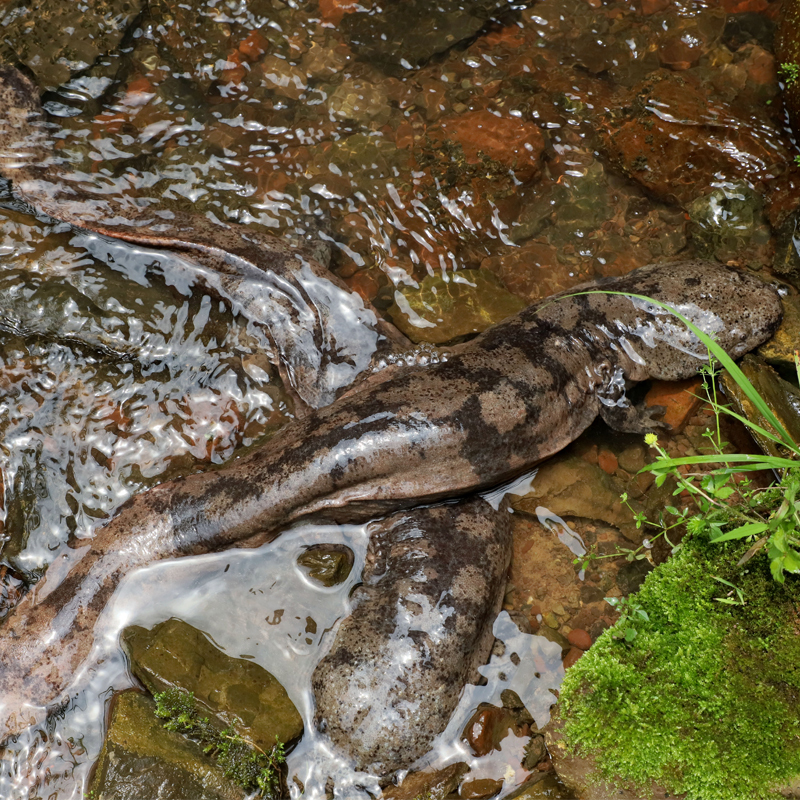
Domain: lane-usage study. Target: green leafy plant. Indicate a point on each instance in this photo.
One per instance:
(241, 760)
(701, 666)
(729, 508)
(790, 73)
(631, 615)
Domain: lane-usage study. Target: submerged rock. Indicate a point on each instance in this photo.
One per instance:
(141, 759)
(231, 690)
(55, 40)
(728, 222)
(440, 310)
(677, 144)
(515, 144)
(408, 33)
(328, 565)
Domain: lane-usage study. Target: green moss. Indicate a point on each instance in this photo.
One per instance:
(249, 767)
(705, 699)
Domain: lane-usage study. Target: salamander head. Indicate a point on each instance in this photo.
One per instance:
(738, 310)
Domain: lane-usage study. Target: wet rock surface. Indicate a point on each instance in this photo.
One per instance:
(234, 691)
(326, 565)
(55, 43)
(782, 397)
(468, 302)
(140, 759)
(412, 32)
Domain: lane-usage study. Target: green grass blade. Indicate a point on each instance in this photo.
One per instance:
(758, 462)
(752, 425)
(742, 532)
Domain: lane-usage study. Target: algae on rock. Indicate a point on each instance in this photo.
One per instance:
(442, 309)
(232, 691)
(141, 759)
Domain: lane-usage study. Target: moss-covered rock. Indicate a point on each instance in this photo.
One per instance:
(233, 691)
(704, 700)
(140, 759)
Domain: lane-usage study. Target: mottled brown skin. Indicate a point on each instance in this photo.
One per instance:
(518, 393)
(323, 336)
(420, 626)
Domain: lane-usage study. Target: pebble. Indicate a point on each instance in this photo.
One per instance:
(579, 638)
(572, 657)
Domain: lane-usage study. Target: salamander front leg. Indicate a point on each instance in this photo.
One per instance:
(624, 416)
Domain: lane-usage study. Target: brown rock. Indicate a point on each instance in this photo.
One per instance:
(678, 54)
(580, 638)
(680, 399)
(677, 143)
(569, 486)
(535, 753)
(572, 657)
(515, 143)
(654, 6)
(435, 785)
(253, 46)
(333, 10)
(533, 271)
(487, 728)
(607, 461)
(480, 789)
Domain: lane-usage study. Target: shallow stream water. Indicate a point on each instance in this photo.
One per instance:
(456, 163)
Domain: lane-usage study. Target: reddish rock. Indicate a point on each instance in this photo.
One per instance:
(511, 36)
(680, 399)
(607, 461)
(677, 53)
(253, 46)
(744, 6)
(761, 67)
(654, 6)
(334, 10)
(533, 271)
(579, 638)
(514, 143)
(677, 144)
(572, 657)
(235, 70)
(365, 283)
(487, 728)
